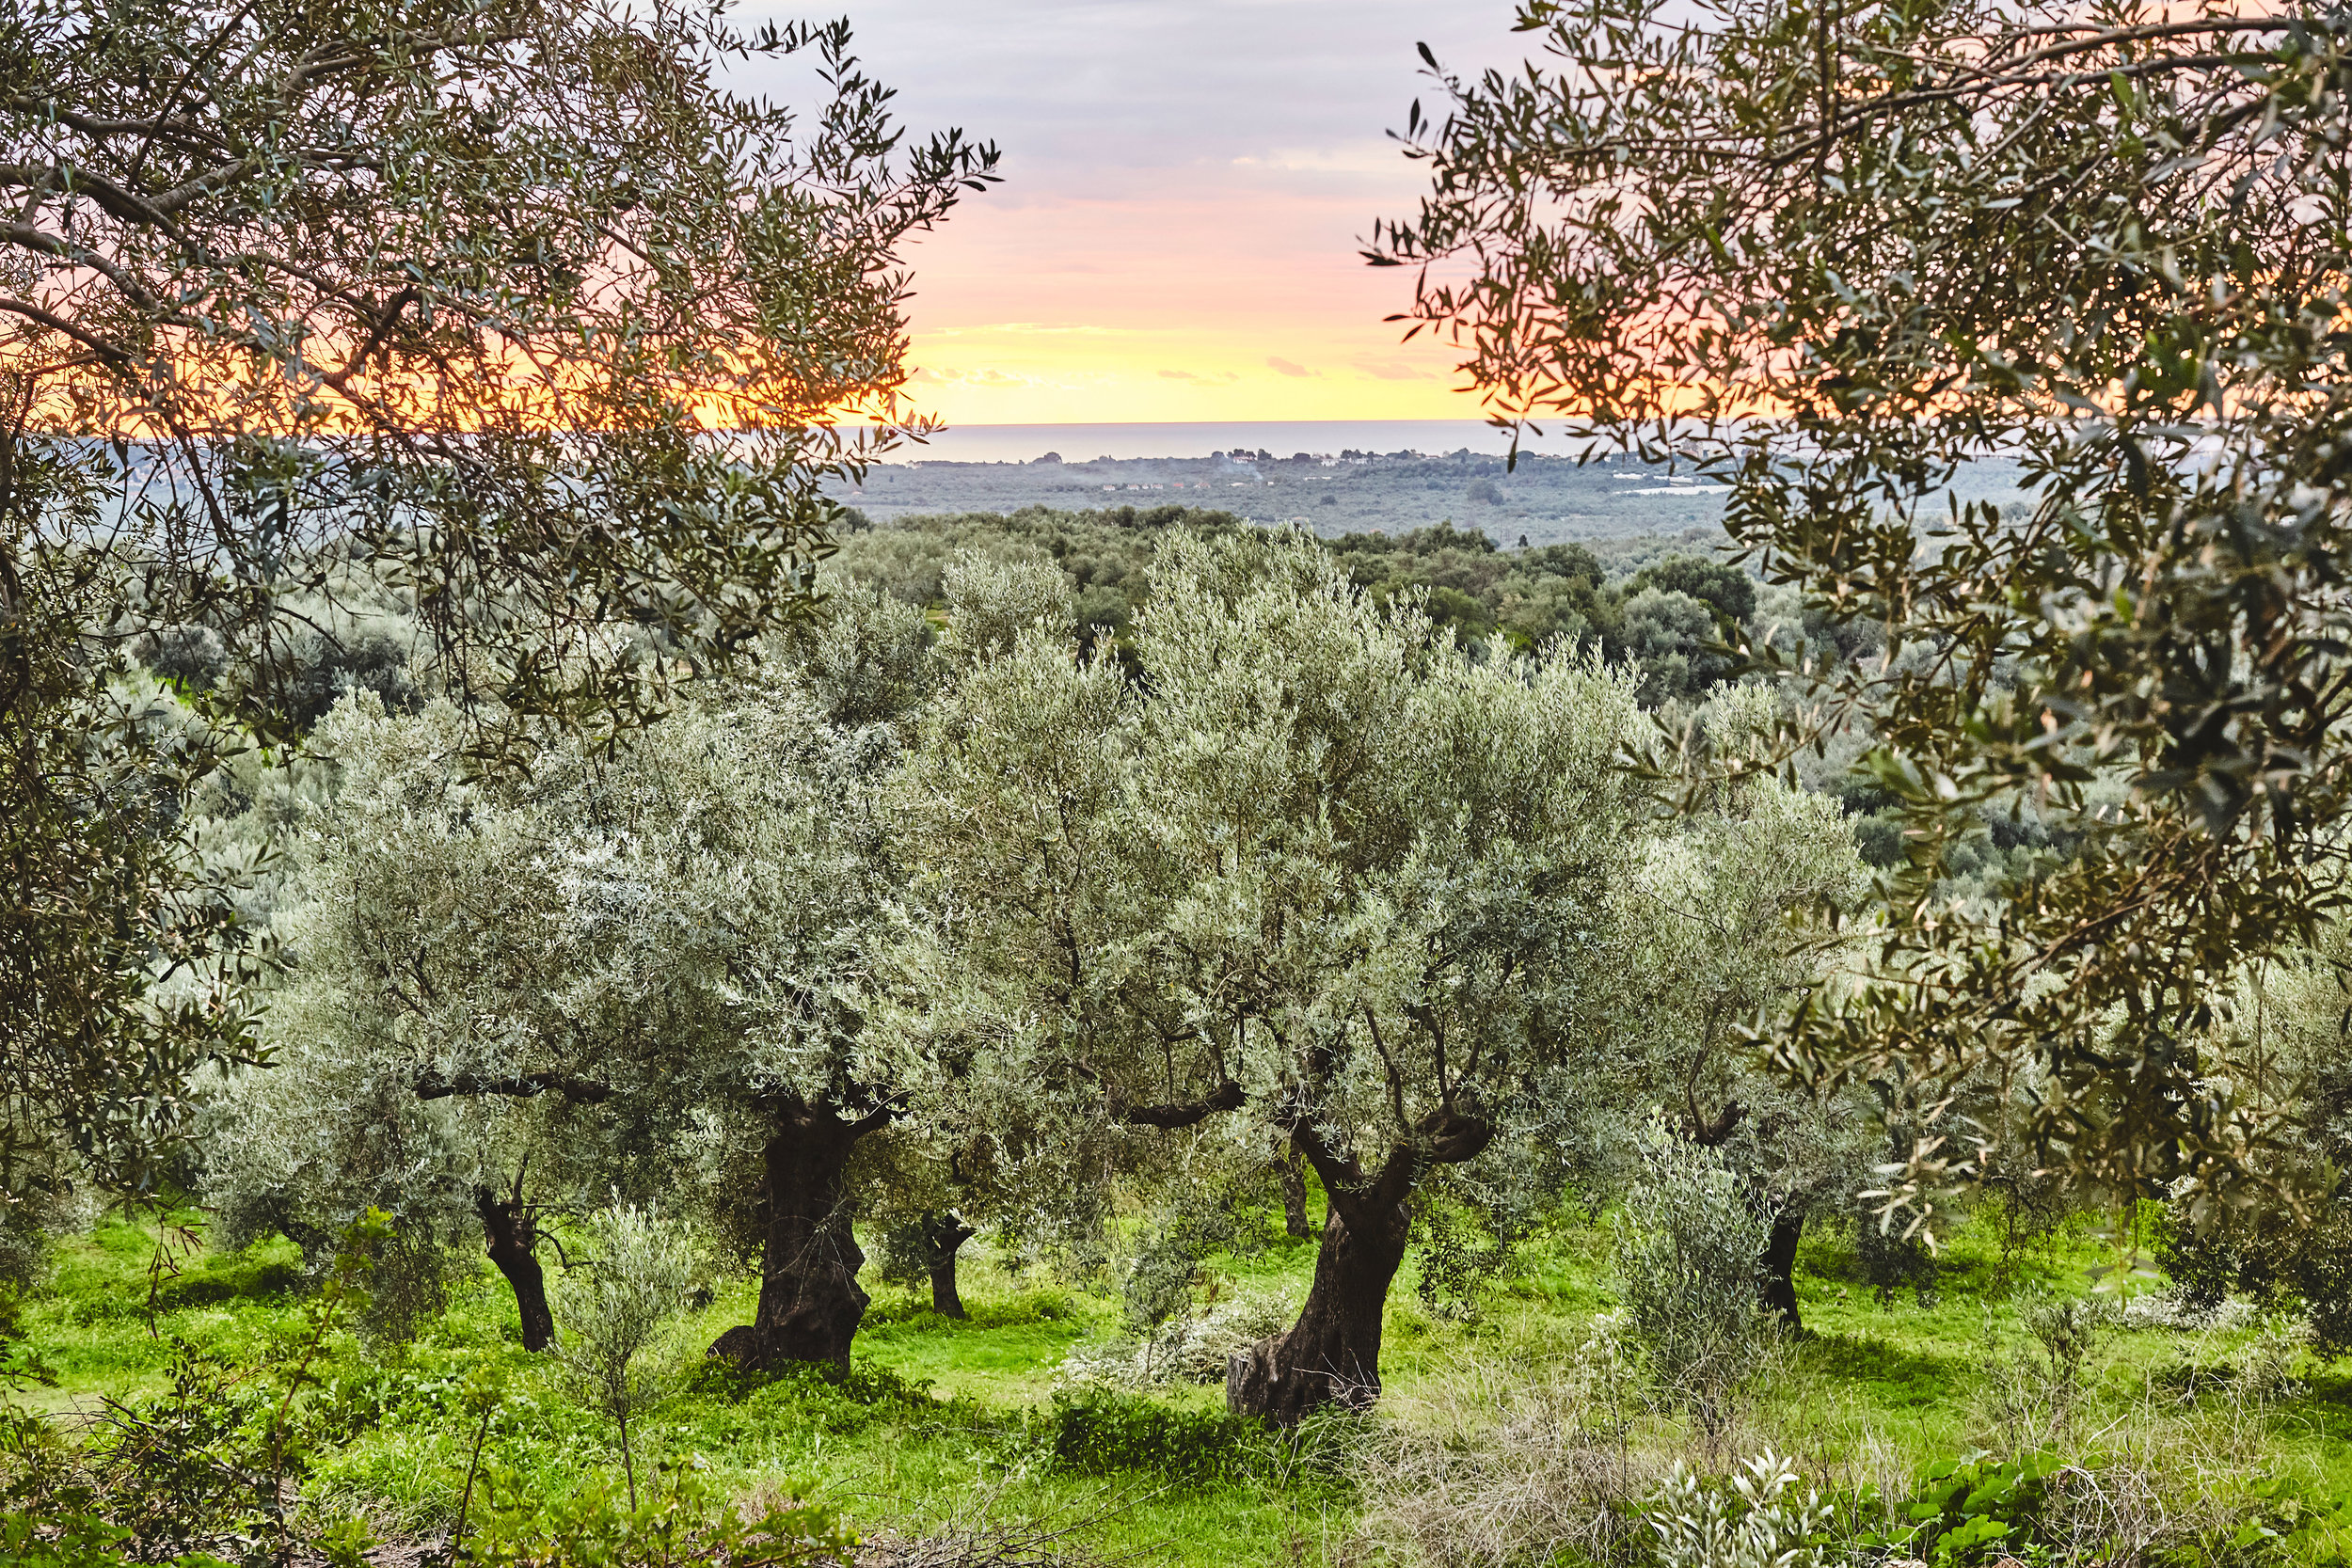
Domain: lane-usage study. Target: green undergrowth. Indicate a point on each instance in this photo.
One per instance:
(940, 1422)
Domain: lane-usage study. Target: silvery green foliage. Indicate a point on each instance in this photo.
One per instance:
(332, 1128)
(992, 602)
(613, 1306)
(674, 926)
(1687, 1247)
(378, 930)
(43, 1202)
(1757, 1523)
(867, 658)
(2178, 1312)
(1732, 914)
(1314, 854)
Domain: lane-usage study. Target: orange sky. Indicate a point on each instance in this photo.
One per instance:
(1185, 189)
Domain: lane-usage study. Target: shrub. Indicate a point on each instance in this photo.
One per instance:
(79, 1541)
(1098, 1431)
(677, 1528)
(1193, 1349)
(639, 1269)
(2032, 1394)
(1754, 1524)
(1688, 1249)
(176, 1475)
(1488, 1466)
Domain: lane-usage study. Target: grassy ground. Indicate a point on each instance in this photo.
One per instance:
(948, 1421)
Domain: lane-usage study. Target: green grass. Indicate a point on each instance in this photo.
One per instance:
(949, 1420)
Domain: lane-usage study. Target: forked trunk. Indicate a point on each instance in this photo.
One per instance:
(508, 1233)
(945, 1234)
(809, 1300)
(1332, 1355)
(1779, 1277)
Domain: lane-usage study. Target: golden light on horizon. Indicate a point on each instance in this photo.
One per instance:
(1185, 193)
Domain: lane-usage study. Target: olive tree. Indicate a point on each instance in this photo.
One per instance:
(658, 943)
(1316, 871)
(1734, 915)
(1847, 260)
(509, 309)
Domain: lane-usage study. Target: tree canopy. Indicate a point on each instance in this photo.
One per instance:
(1830, 253)
(508, 315)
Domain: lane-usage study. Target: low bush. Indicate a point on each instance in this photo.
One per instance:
(1098, 1432)
(1755, 1522)
(678, 1525)
(80, 1540)
(1689, 1252)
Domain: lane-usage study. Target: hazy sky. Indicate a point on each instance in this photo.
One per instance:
(1185, 184)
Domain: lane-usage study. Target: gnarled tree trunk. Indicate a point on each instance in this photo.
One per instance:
(1332, 1355)
(946, 1233)
(809, 1301)
(508, 1233)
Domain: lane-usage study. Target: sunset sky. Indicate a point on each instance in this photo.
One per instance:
(1185, 188)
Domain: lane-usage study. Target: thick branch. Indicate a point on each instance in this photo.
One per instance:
(432, 1086)
(1191, 1112)
(1443, 1137)
(1340, 1174)
(1713, 1135)
(376, 337)
(67, 180)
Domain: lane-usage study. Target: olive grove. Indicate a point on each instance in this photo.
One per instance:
(634, 969)
(967, 926)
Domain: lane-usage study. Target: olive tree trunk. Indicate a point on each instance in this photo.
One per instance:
(809, 1301)
(1778, 1276)
(508, 1234)
(944, 1235)
(1331, 1355)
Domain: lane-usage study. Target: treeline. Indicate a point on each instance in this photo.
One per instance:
(1665, 605)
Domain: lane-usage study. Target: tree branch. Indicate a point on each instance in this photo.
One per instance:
(1191, 1112)
(120, 359)
(432, 1086)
